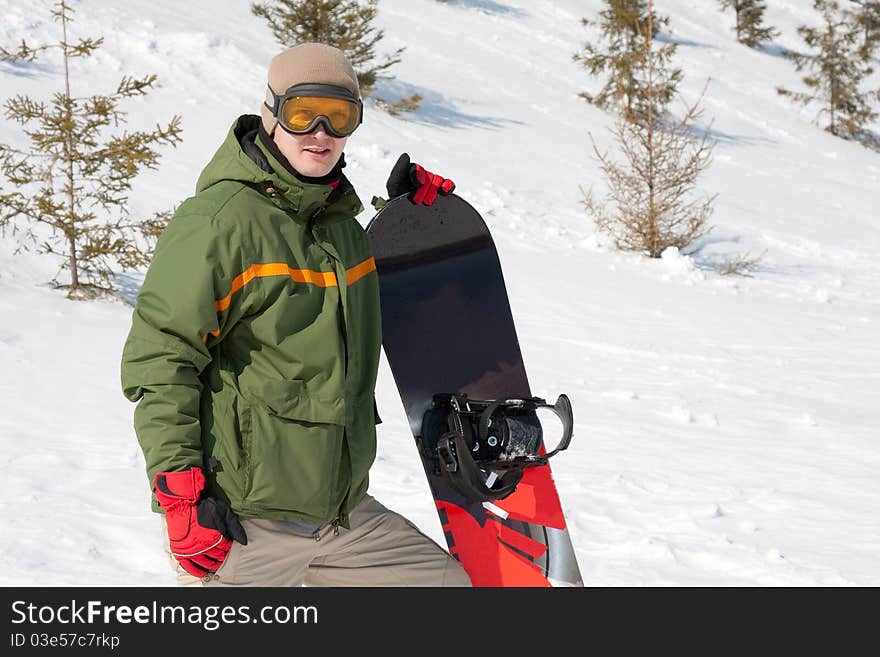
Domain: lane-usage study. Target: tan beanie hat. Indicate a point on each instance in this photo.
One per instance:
(308, 63)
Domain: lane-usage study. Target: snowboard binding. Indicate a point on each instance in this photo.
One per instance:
(482, 447)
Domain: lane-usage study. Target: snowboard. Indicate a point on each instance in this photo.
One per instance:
(448, 330)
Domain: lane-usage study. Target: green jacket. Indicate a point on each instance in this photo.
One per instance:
(255, 340)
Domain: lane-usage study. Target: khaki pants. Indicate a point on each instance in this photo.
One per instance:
(382, 548)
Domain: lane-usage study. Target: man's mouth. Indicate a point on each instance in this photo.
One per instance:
(319, 150)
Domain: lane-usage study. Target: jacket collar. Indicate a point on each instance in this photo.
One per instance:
(304, 197)
(246, 160)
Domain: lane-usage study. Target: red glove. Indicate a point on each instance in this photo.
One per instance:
(200, 531)
(406, 178)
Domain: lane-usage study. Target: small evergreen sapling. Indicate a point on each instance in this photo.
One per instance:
(837, 65)
(75, 176)
(622, 25)
(750, 28)
(868, 17)
(652, 201)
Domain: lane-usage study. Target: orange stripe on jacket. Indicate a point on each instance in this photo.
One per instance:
(319, 278)
(359, 271)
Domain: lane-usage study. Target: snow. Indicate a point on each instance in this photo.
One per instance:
(726, 428)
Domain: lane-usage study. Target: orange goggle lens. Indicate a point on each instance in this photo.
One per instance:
(301, 114)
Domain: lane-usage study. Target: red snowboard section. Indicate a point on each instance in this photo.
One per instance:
(495, 553)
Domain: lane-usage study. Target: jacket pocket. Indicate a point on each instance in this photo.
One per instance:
(294, 446)
(290, 399)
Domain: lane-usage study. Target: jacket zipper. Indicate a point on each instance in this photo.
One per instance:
(342, 315)
(335, 523)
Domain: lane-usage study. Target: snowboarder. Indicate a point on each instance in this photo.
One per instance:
(254, 350)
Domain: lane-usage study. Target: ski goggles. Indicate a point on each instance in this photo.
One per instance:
(302, 107)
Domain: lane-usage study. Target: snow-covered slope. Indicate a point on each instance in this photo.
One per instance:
(726, 428)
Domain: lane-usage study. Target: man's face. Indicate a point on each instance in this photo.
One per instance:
(314, 154)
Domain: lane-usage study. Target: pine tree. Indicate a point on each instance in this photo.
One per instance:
(75, 176)
(344, 24)
(653, 206)
(622, 25)
(750, 28)
(837, 65)
(868, 16)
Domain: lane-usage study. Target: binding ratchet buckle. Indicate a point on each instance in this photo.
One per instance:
(484, 446)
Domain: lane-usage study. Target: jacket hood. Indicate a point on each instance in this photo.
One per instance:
(242, 159)
(230, 162)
